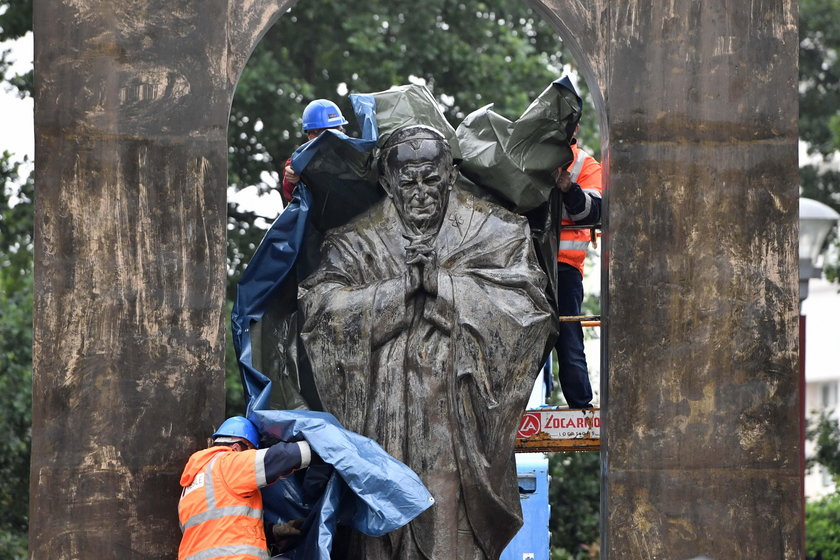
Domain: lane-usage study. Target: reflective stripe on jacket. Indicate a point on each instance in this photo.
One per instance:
(221, 509)
(586, 172)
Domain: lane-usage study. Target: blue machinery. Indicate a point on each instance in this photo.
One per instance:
(532, 541)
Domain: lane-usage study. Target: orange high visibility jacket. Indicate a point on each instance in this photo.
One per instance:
(221, 508)
(586, 172)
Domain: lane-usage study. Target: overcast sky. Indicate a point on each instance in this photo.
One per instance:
(16, 130)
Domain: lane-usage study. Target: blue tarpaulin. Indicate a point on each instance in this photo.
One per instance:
(278, 252)
(364, 487)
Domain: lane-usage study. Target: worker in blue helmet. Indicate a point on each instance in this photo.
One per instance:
(224, 518)
(318, 116)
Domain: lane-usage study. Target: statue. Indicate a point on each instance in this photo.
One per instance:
(426, 323)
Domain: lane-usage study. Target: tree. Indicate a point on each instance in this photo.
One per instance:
(825, 433)
(15, 356)
(468, 54)
(16, 221)
(822, 538)
(822, 517)
(15, 22)
(819, 98)
(575, 505)
(819, 76)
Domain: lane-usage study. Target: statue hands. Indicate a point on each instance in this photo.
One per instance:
(422, 265)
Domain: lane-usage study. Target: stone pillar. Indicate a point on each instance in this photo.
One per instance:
(131, 110)
(701, 434)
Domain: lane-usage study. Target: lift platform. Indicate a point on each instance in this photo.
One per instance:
(549, 429)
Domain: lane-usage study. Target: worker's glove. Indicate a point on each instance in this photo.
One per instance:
(287, 535)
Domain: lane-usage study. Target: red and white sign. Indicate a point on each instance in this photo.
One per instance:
(561, 424)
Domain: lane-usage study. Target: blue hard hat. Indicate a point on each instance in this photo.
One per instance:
(239, 427)
(322, 113)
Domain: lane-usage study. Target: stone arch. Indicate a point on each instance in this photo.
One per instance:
(698, 103)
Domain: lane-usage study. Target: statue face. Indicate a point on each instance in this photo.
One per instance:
(418, 178)
(419, 193)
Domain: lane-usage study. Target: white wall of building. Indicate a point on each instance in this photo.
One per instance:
(822, 367)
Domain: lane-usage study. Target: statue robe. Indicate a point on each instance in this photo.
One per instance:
(440, 381)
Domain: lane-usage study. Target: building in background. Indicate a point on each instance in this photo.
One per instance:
(822, 368)
(819, 311)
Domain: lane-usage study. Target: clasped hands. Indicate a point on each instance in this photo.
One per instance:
(422, 265)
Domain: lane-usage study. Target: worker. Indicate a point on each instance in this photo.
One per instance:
(221, 509)
(580, 185)
(318, 116)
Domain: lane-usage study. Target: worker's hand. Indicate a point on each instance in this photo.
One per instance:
(563, 180)
(287, 529)
(287, 535)
(290, 176)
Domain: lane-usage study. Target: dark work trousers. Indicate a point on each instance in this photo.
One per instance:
(571, 361)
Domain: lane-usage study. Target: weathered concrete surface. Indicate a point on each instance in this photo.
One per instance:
(701, 448)
(132, 102)
(698, 106)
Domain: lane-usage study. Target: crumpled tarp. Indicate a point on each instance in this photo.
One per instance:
(369, 490)
(412, 105)
(516, 160)
(359, 485)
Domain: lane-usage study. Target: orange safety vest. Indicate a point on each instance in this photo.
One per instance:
(221, 509)
(586, 172)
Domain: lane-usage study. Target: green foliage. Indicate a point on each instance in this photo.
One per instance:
(825, 433)
(575, 504)
(15, 418)
(832, 270)
(819, 102)
(16, 223)
(819, 74)
(15, 19)
(15, 22)
(822, 184)
(822, 519)
(13, 546)
(16, 217)
(468, 54)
